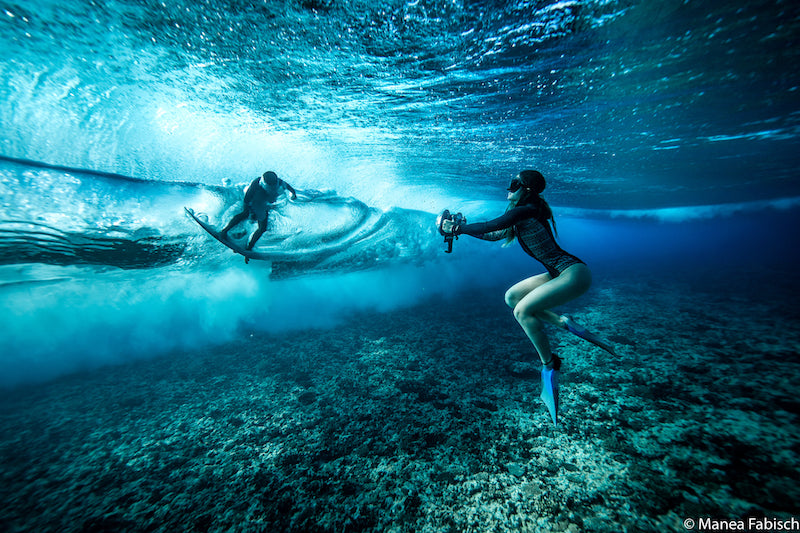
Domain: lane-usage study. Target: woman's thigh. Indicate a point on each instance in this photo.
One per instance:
(572, 283)
(518, 291)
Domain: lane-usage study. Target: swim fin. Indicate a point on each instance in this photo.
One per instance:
(550, 391)
(576, 329)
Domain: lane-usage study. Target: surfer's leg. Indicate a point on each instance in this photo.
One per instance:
(235, 220)
(262, 227)
(534, 308)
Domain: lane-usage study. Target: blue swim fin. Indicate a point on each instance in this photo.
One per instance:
(550, 392)
(576, 329)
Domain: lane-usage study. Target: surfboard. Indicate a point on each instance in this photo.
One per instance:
(227, 242)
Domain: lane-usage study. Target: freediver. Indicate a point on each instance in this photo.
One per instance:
(259, 198)
(529, 219)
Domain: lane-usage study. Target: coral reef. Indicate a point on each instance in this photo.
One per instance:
(429, 419)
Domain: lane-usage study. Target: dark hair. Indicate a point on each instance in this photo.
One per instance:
(533, 184)
(270, 177)
(533, 180)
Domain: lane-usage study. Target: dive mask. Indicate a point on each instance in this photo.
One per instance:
(515, 185)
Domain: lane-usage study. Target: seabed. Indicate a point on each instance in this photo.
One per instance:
(428, 419)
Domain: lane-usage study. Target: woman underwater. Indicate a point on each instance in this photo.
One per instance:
(529, 219)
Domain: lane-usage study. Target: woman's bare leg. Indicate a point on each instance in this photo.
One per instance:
(543, 293)
(519, 290)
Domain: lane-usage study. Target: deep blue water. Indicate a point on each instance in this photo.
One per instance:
(669, 133)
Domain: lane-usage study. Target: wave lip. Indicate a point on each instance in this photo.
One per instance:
(32, 242)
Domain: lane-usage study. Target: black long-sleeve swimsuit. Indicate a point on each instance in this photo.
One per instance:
(533, 233)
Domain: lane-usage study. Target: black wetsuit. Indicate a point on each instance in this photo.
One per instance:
(533, 233)
(259, 201)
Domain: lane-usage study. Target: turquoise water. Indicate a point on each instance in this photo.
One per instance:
(622, 104)
(116, 115)
(362, 378)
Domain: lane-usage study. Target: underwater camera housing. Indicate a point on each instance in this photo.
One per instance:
(457, 220)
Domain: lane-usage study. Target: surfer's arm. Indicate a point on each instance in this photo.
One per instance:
(248, 196)
(290, 189)
(250, 192)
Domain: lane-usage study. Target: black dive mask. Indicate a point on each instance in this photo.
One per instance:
(515, 185)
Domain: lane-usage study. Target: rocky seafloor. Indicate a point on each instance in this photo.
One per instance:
(428, 419)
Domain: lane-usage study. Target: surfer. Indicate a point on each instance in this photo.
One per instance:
(259, 198)
(529, 220)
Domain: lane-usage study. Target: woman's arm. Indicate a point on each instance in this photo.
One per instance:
(484, 230)
(492, 235)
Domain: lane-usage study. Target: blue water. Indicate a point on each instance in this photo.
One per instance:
(669, 133)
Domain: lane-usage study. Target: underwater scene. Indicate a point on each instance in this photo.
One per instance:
(342, 357)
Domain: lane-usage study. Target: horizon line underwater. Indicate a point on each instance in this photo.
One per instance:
(351, 372)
